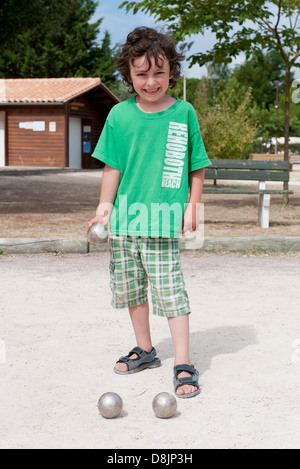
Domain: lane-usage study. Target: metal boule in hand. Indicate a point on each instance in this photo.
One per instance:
(97, 234)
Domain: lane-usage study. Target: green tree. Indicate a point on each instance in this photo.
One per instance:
(46, 38)
(258, 72)
(262, 24)
(104, 61)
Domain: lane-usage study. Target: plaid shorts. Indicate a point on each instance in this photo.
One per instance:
(137, 261)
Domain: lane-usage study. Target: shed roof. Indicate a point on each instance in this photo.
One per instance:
(47, 90)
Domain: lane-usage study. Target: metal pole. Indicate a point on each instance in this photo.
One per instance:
(277, 97)
(184, 81)
(277, 100)
(184, 48)
(214, 97)
(214, 80)
(276, 84)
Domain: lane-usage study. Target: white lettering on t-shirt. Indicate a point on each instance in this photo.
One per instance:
(176, 148)
(178, 126)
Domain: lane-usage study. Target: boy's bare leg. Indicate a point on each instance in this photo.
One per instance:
(140, 320)
(180, 331)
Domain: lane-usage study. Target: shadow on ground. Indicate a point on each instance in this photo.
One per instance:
(207, 344)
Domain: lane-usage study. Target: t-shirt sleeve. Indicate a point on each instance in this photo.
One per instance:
(106, 148)
(197, 154)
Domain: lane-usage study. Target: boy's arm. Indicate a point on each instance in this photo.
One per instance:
(191, 214)
(109, 187)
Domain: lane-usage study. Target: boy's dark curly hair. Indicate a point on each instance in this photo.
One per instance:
(148, 41)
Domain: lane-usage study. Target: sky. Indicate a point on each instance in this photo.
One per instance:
(119, 24)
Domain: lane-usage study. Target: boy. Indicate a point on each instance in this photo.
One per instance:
(153, 152)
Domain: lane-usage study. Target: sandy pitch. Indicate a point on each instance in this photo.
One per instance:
(62, 338)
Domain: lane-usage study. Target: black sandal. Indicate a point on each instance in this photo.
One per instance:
(143, 361)
(190, 380)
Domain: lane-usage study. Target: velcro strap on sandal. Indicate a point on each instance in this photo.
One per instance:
(143, 354)
(138, 350)
(188, 380)
(188, 368)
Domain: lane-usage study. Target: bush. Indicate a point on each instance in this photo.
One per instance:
(227, 132)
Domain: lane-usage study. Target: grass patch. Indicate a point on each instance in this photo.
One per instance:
(236, 187)
(267, 252)
(58, 253)
(252, 252)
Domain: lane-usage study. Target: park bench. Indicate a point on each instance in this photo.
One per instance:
(245, 170)
(270, 156)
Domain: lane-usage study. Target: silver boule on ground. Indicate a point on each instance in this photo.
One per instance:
(110, 405)
(164, 405)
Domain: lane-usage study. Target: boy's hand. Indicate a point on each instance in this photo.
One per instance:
(98, 219)
(103, 213)
(191, 218)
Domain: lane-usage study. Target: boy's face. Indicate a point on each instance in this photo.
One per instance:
(151, 85)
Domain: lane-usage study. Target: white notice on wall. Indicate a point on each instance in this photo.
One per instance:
(39, 126)
(52, 126)
(26, 125)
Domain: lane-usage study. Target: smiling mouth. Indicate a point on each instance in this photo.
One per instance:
(152, 92)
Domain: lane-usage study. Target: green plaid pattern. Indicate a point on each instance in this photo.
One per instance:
(136, 262)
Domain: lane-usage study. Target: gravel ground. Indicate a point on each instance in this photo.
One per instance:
(59, 205)
(62, 337)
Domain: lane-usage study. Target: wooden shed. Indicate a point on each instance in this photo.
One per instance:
(53, 122)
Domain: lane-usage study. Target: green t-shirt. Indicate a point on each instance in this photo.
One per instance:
(154, 153)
